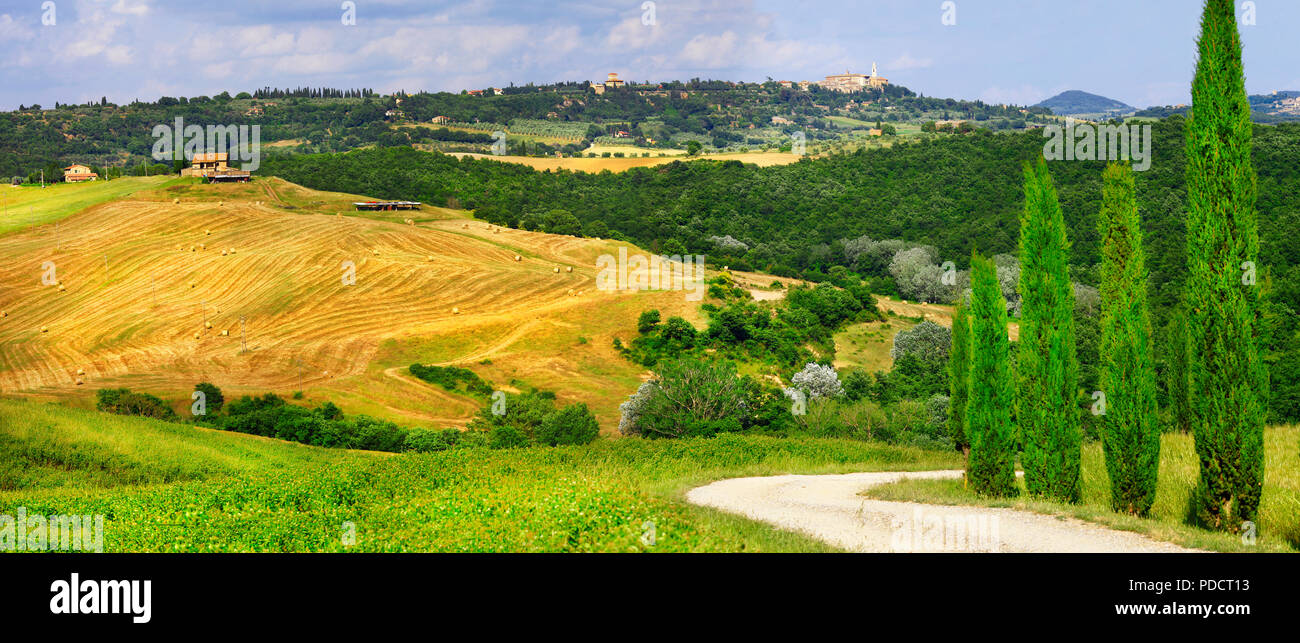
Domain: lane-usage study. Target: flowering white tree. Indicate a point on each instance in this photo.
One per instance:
(631, 409)
(818, 381)
(927, 340)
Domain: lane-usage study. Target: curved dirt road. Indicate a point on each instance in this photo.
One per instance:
(828, 507)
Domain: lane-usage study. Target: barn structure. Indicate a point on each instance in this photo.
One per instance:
(215, 167)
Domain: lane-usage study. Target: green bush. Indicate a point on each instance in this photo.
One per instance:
(573, 424)
(507, 436)
(124, 401)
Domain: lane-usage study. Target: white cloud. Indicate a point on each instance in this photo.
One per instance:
(631, 34)
(13, 30)
(137, 8)
(906, 61)
(1022, 95)
(711, 51)
(261, 40)
(219, 70)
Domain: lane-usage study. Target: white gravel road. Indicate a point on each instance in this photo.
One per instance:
(828, 507)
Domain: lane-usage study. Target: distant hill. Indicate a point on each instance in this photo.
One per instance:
(1076, 102)
(1275, 107)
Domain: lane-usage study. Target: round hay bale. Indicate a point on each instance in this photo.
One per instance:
(223, 253)
(570, 292)
(556, 270)
(193, 248)
(79, 382)
(196, 335)
(174, 201)
(225, 333)
(203, 246)
(430, 257)
(221, 204)
(4, 313)
(518, 258)
(192, 284)
(568, 268)
(207, 324)
(62, 288)
(207, 232)
(45, 329)
(232, 251)
(81, 371)
(455, 311)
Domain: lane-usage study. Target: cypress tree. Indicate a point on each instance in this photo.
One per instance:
(1176, 379)
(990, 469)
(1227, 382)
(1047, 367)
(959, 378)
(1130, 427)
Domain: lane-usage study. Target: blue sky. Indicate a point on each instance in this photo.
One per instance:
(1019, 51)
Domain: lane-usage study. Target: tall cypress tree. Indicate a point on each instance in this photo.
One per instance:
(1180, 411)
(990, 469)
(1130, 428)
(1047, 367)
(959, 378)
(1227, 382)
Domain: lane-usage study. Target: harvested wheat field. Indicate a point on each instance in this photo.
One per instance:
(246, 286)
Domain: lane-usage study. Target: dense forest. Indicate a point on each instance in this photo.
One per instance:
(955, 193)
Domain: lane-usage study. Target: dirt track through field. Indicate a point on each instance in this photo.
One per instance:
(829, 508)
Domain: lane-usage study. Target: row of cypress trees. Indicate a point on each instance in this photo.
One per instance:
(1218, 381)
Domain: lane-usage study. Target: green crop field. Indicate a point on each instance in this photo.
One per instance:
(29, 205)
(171, 487)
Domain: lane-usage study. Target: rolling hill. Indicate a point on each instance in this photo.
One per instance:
(1075, 102)
(241, 285)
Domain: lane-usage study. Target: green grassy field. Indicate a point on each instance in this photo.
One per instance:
(170, 487)
(28, 206)
(1279, 517)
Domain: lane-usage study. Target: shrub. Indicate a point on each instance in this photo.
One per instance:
(574, 424)
(429, 440)
(212, 396)
(647, 321)
(452, 378)
(124, 401)
(817, 381)
(927, 341)
(507, 436)
(688, 397)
